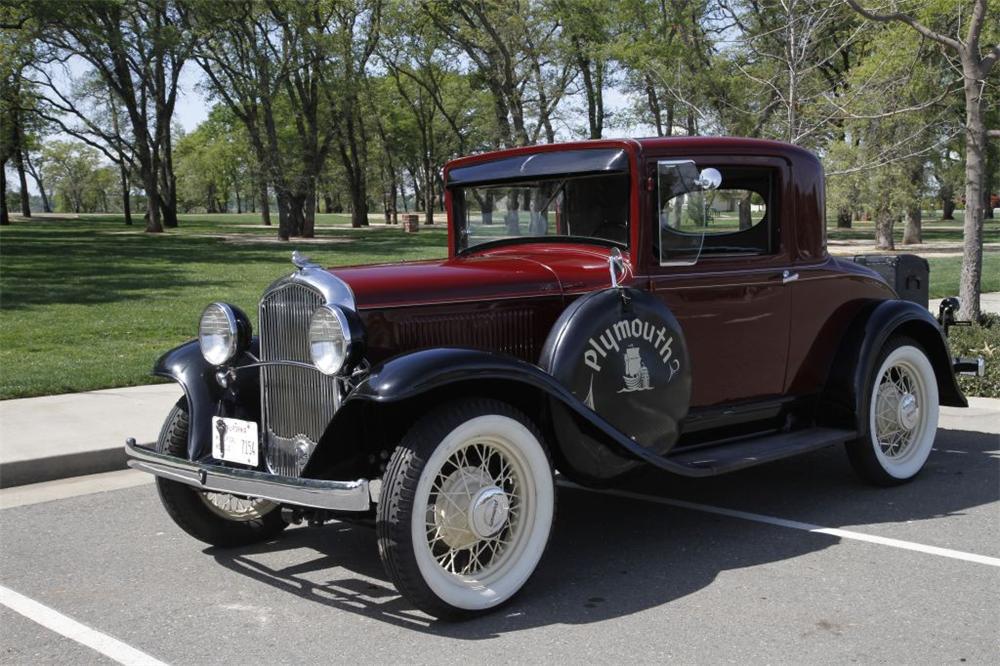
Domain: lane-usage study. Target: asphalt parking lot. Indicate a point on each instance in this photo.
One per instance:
(791, 562)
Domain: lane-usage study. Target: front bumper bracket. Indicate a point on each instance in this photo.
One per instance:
(315, 493)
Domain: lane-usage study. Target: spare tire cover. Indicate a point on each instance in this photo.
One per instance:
(622, 353)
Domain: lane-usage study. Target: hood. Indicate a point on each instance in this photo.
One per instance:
(511, 272)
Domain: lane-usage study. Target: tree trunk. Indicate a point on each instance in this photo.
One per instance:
(883, 229)
(394, 191)
(265, 203)
(126, 199)
(168, 191)
(844, 217)
(947, 196)
(428, 194)
(4, 216)
(296, 214)
(970, 283)
(912, 232)
(210, 199)
(309, 212)
(746, 219)
(153, 224)
(359, 207)
(37, 175)
(487, 207)
(22, 177)
(284, 214)
(418, 194)
(654, 106)
(239, 203)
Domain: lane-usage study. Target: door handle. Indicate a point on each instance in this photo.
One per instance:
(788, 276)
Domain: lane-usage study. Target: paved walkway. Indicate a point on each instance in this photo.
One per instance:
(60, 436)
(988, 302)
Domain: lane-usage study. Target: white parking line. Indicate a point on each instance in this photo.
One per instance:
(66, 626)
(796, 525)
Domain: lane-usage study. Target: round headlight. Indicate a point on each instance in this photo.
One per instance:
(218, 333)
(329, 339)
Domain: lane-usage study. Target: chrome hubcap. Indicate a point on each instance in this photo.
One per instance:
(908, 411)
(489, 512)
(473, 510)
(897, 410)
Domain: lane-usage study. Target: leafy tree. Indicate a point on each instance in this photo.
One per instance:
(967, 21)
(138, 50)
(73, 165)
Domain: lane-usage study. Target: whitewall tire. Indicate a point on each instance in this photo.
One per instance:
(901, 415)
(466, 508)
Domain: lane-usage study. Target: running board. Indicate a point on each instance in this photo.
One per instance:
(713, 460)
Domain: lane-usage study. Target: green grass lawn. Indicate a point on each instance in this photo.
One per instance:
(945, 272)
(90, 303)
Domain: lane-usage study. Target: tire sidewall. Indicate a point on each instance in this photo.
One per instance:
(532, 458)
(914, 356)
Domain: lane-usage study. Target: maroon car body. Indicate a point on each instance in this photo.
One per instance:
(579, 312)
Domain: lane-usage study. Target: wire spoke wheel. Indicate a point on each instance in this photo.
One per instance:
(466, 507)
(238, 509)
(902, 416)
(473, 511)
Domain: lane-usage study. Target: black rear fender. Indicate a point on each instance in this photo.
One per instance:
(843, 398)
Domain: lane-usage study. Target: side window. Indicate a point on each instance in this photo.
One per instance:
(740, 217)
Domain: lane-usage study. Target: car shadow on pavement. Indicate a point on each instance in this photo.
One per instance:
(609, 557)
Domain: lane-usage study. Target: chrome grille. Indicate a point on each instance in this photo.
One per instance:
(298, 402)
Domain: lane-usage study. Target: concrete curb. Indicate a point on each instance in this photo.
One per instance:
(52, 468)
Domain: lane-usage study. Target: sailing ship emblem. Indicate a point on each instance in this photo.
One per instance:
(636, 377)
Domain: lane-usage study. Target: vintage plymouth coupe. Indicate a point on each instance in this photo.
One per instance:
(605, 305)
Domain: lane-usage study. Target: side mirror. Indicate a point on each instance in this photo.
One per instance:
(709, 179)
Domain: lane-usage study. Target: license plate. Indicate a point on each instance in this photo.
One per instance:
(235, 441)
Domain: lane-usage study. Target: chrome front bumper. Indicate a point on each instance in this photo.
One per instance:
(314, 493)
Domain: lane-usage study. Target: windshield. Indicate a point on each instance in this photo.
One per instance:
(579, 207)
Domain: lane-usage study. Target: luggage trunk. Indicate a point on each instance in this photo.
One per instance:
(908, 274)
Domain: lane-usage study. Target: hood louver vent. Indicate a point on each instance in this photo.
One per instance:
(508, 332)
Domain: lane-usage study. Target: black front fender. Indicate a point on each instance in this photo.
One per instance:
(205, 397)
(859, 350)
(424, 372)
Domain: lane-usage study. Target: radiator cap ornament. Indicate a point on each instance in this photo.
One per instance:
(300, 260)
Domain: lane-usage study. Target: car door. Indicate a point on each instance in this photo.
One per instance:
(734, 301)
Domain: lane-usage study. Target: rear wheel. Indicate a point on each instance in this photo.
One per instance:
(902, 416)
(466, 508)
(219, 519)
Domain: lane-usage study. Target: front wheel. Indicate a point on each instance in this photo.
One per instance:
(219, 519)
(466, 508)
(902, 416)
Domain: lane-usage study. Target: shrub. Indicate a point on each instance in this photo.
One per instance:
(982, 339)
